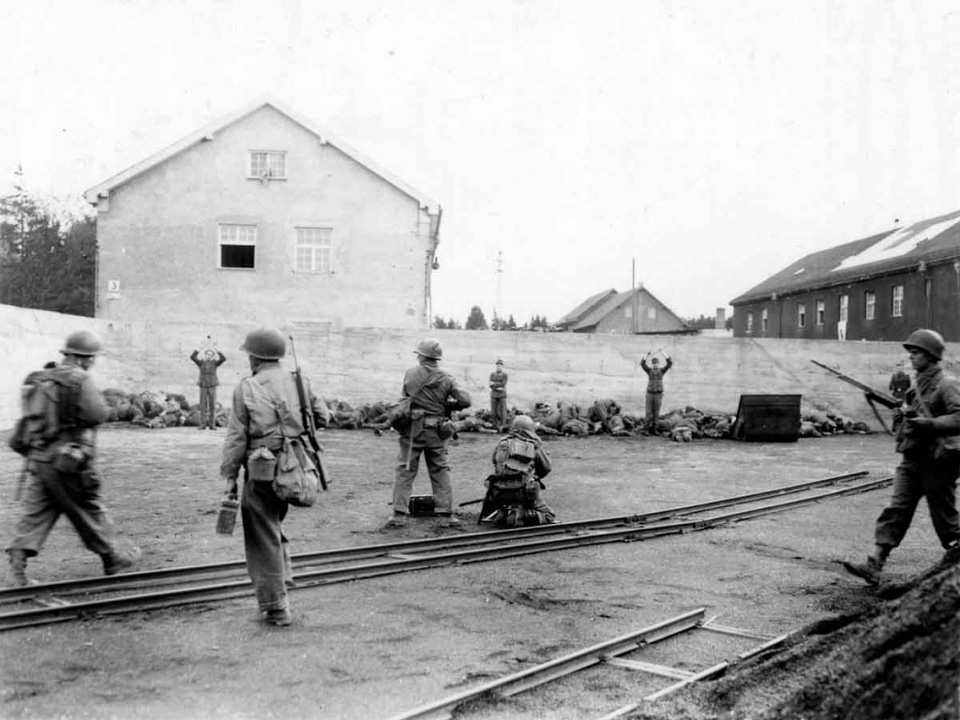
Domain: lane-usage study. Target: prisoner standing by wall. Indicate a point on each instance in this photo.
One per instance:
(654, 389)
(208, 382)
(498, 395)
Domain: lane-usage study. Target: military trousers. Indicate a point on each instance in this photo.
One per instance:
(654, 399)
(48, 494)
(916, 478)
(498, 409)
(434, 450)
(208, 406)
(265, 546)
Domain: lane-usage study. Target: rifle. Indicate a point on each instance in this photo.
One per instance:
(872, 395)
(306, 416)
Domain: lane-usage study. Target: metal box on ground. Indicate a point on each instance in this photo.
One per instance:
(421, 505)
(767, 418)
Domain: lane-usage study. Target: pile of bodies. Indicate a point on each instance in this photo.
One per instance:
(603, 417)
(154, 409)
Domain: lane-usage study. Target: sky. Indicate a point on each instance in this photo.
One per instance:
(694, 147)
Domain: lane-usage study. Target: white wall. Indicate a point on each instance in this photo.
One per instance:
(364, 365)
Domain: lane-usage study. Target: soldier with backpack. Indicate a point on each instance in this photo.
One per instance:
(61, 408)
(513, 490)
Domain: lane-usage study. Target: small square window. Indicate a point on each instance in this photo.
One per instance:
(268, 165)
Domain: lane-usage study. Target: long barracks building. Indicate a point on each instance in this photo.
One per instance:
(878, 288)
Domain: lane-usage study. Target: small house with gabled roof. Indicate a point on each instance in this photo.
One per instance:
(633, 312)
(262, 216)
(880, 288)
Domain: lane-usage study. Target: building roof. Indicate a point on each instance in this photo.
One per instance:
(591, 303)
(597, 307)
(209, 131)
(934, 240)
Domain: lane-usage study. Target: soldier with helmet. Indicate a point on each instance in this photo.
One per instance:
(513, 490)
(265, 407)
(928, 436)
(432, 395)
(60, 448)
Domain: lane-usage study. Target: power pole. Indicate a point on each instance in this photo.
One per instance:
(499, 299)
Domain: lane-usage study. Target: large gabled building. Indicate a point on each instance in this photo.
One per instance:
(878, 288)
(264, 217)
(636, 312)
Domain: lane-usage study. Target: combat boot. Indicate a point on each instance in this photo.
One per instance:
(18, 567)
(118, 560)
(279, 617)
(870, 570)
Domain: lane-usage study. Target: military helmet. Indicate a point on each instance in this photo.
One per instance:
(82, 342)
(524, 423)
(429, 348)
(265, 344)
(929, 341)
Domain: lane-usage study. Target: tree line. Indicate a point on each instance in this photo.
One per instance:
(476, 320)
(45, 262)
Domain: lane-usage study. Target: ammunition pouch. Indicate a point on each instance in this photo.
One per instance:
(261, 465)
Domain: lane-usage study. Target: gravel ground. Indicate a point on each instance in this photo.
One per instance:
(375, 648)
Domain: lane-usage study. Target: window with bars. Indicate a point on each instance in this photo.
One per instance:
(314, 249)
(268, 165)
(896, 301)
(237, 246)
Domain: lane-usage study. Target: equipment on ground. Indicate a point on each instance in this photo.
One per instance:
(767, 418)
(422, 505)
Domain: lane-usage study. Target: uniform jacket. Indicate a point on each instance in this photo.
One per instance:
(541, 462)
(498, 384)
(208, 368)
(255, 420)
(936, 395)
(655, 374)
(440, 394)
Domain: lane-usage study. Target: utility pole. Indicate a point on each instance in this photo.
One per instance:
(499, 299)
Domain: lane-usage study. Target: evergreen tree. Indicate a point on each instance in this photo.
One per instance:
(476, 319)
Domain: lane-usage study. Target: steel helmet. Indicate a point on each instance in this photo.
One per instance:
(265, 344)
(524, 423)
(929, 341)
(429, 348)
(81, 342)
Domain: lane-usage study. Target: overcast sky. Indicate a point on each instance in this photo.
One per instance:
(711, 143)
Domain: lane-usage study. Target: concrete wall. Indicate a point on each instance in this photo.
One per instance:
(365, 365)
(158, 236)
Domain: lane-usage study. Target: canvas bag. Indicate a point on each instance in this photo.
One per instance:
(39, 422)
(402, 410)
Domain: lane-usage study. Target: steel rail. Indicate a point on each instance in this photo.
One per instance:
(179, 575)
(313, 578)
(560, 667)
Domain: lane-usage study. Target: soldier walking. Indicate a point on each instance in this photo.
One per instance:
(433, 394)
(62, 477)
(928, 437)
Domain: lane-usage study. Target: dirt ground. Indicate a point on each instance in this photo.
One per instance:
(375, 648)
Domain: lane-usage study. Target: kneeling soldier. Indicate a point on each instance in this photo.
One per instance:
(513, 490)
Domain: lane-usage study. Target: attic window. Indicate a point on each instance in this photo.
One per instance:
(268, 165)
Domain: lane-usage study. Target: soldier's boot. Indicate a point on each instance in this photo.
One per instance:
(18, 567)
(119, 560)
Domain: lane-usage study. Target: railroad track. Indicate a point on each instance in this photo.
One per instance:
(154, 589)
(609, 656)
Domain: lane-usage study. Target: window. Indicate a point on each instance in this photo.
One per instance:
(749, 323)
(268, 165)
(801, 315)
(651, 313)
(869, 305)
(821, 311)
(238, 244)
(896, 301)
(628, 311)
(764, 318)
(844, 308)
(313, 249)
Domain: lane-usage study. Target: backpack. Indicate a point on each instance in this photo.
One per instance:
(39, 423)
(514, 456)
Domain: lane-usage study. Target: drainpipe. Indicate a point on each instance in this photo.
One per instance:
(430, 265)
